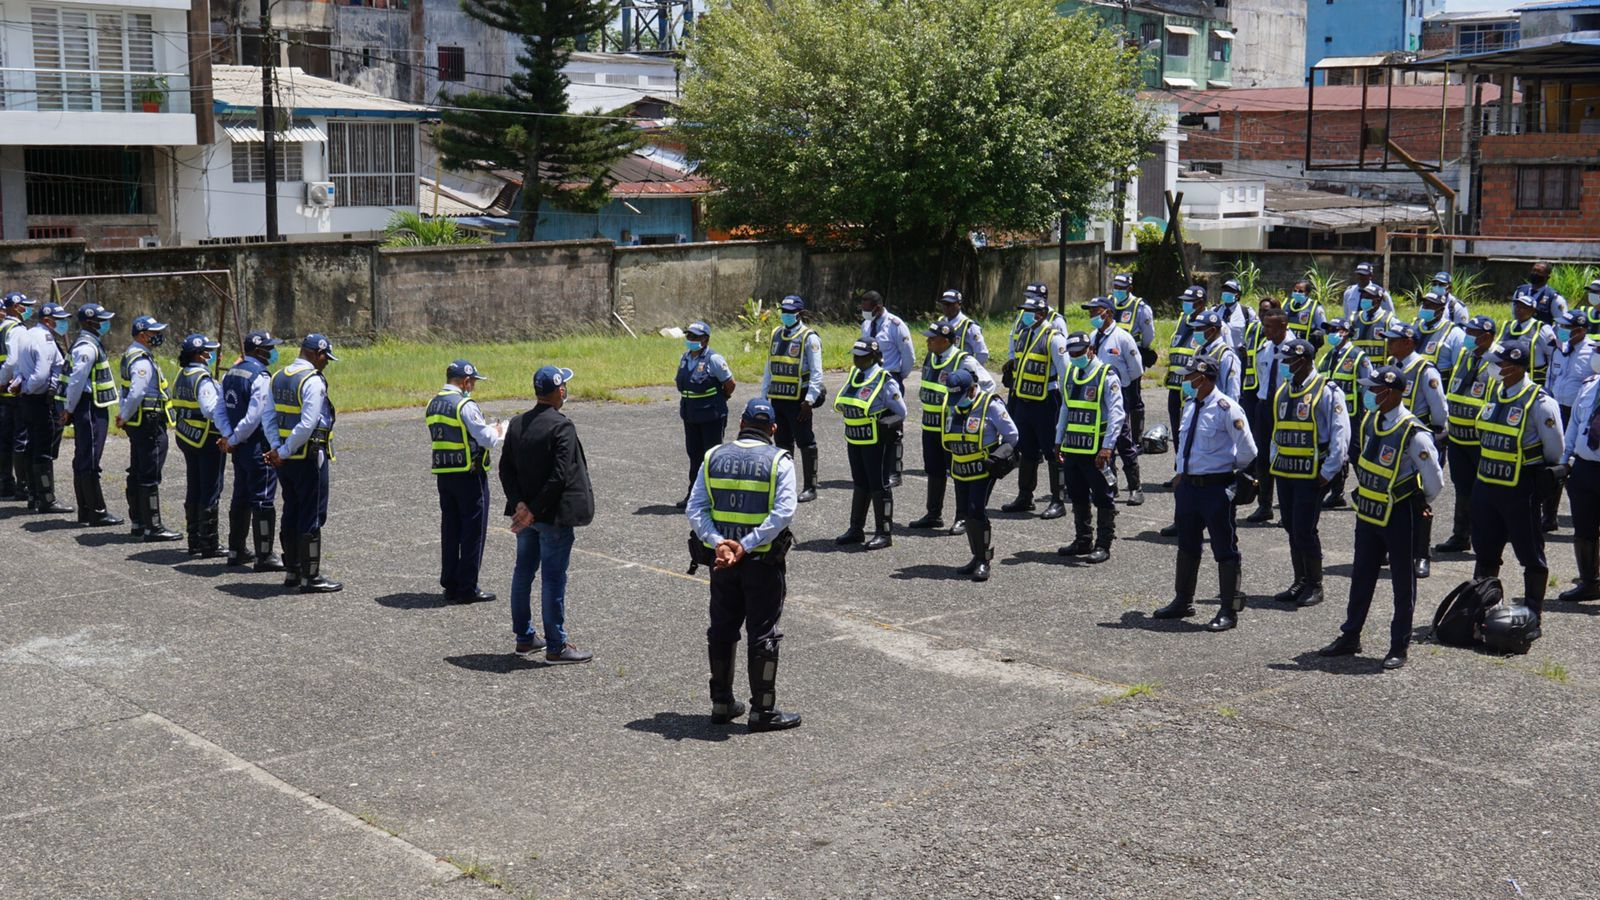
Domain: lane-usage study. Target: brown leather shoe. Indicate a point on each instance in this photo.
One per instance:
(567, 655)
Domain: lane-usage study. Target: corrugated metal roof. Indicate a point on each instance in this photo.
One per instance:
(1566, 4)
(1561, 56)
(238, 88)
(1322, 211)
(298, 132)
(1351, 62)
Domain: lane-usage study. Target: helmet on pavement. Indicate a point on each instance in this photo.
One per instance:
(1155, 440)
(1510, 628)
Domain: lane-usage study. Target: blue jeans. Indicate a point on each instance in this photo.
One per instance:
(550, 545)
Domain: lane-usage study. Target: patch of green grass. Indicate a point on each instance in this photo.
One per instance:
(1142, 689)
(479, 871)
(1552, 670)
(1227, 712)
(372, 819)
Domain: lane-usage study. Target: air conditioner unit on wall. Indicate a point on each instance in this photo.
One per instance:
(319, 193)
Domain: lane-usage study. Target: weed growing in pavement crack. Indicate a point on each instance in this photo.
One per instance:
(479, 871)
(1143, 688)
(1227, 712)
(372, 819)
(1552, 670)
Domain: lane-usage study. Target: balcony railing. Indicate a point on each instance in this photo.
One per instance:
(93, 90)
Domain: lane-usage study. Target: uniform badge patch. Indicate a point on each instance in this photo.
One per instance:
(1514, 417)
(1477, 390)
(1283, 410)
(1223, 403)
(794, 349)
(1549, 423)
(1433, 383)
(1303, 409)
(944, 377)
(973, 424)
(1091, 393)
(1386, 456)
(1115, 351)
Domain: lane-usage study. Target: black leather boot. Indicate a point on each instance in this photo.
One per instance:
(210, 534)
(882, 521)
(1229, 601)
(1105, 532)
(22, 477)
(1311, 593)
(1460, 539)
(99, 516)
(310, 560)
(724, 708)
(263, 525)
(859, 498)
(1292, 593)
(1082, 531)
(1587, 551)
(1027, 480)
(291, 558)
(1346, 644)
(1335, 498)
(1185, 577)
(191, 529)
(808, 466)
(1534, 583)
(979, 541)
(154, 531)
(239, 552)
(80, 493)
(935, 515)
(45, 480)
(1055, 509)
(8, 478)
(1421, 546)
(135, 497)
(763, 670)
(1135, 485)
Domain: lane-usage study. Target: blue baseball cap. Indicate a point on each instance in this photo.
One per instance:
(940, 329)
(1078, 340)
(197, 342)
(1299, 348)
(1524, 299)
(1100, 303)
(863, 347)
(316, 343)
(759, 412)
(94, 312)
(1442, 279)
(1203, 320)
(1576, 318)
(1038, 287)
(1122, 280)
(957, 383)
(1481, 323)
(1232, 286)
(148, 323)
(792, 303)
(1339, 323)
(1386, 377)
(1372, 291)
(53, 311)
(255, 340)
(1398, 330)
(1193, 292)
(1514, 352)
(1435, 297)
(463, 369)
(1034, 303)
(1200, 364)
(549, 378)
(951, 296)
(1364, 268)
(698, 328)
(13, 298)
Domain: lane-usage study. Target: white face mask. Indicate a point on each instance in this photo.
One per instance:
(867, 315)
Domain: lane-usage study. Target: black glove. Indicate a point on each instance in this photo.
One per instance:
(822, 396)
(1318, 338)
(1245, 488)
(1147, 356)
(1008, 373)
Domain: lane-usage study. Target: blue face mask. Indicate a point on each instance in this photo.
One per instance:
(105, 327)
(27, 313)
(1299, 297)
(1229, 297)
(1563, 334)
(1283, 372)
(1188, 307)
(1119, 295)
(788, 319)
(1334, 338)
(1425, 315)
(1369, 400)
(691, 345)
(1199, 341)
(1028, 319)
(965, 401)
(1079, 362)
(1188, 390)
(272, 358)
(1366, 303)
(60, 326)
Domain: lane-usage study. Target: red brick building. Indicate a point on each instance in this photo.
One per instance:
(1539, 186)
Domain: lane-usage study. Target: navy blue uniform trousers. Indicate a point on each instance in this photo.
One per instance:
(147, 451)
(698, 439)
(1300, 501)
(1502, 514)
(89, 425)
(1036, 424)
(305, 494)
(255, 483)
(1374, 545)
(1206, 510)
(40, 413)
(203, 467)
(749, 594)
(463, 525)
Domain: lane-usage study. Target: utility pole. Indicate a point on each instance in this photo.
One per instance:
(269, 120)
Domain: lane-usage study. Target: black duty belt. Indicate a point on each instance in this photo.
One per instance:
(1211, 480)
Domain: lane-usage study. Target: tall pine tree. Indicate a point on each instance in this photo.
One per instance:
(528, 127)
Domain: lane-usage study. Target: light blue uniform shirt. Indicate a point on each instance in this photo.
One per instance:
(1577, 436)
(1569, 370)
(1267, 377)
(716, 366)
(894, 342)
(1333, 425)
(783, 508)
(1427, 398)
(811, 364)
(209, 396)
(1455, 310)
(1422, 457)
(260, 413)
(1111, 411)
(1546, 429)
(1449, 346)
(973, 343)
(1143, 326)
(313, 409)
(141, 375)
(37, 360)
(1352, 301)
(1228, 378)
(1118, 349)
(85, 350)
(980, 375)
(1234, 321)
(1222, 443)
(472, 418)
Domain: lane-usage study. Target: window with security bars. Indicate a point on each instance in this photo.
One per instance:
(89, 181)
(250, 162)
(1549, 187)
(373, 163)
(98, 54)
(452, 64)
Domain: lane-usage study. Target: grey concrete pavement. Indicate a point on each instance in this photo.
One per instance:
(175, 728)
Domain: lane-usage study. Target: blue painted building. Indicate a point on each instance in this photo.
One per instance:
(1364, 27)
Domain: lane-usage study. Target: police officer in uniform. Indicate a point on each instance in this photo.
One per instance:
(1520, 437)
(1424, 397)
(1184, 347)
(1397, 470)
(1364, 287)
(90, 392)
(1213, 342)
(36, 374)
(1582, 450)
(1136, 317)
(1439, 339)
(1091, 422)
(462, 441)
(871, 405)
(1592, 309)
(248, 409)
(1041, 290)
(1236, 317)
(898, 357)
(746, 529)
(1549, 306)
(969, 334)
(1119, 349)
(1569, 365)
(1309, 436)
(944, 358)
(792, 382)
(1368, 324)
(1214, 445)
(1524, 327)
(1033, 375)
(1258, 402)
(1454, 308)
(143, 414)
(1306, 318)
(1466, 389)
(305, 446)
(704, 385)
(15, 309)
(982, 442)
(201, 423)
(1345, 365)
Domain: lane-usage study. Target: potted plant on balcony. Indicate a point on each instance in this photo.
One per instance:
(152, 90)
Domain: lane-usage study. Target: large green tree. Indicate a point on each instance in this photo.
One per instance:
(904, 123)
(527, 127)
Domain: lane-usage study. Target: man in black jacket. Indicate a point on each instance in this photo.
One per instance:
(546, 480)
